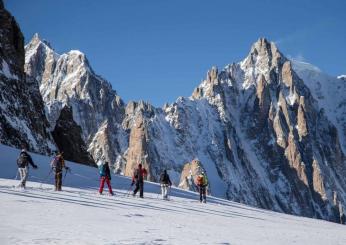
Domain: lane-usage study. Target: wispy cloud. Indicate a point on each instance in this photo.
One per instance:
(298, 57)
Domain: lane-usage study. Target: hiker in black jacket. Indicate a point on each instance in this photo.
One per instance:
(57, 164)
(138, 179)
(23, 162)
(165, 183)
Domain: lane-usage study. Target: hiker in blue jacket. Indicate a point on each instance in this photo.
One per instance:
(105, 174)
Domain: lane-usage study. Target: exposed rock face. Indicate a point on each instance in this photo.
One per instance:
(68, 137)
(22, 117)
(256, 127)
(138, 147)
(188, 174)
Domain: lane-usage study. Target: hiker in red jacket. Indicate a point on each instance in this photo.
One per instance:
(138, 179)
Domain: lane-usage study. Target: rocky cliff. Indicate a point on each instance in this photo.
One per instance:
(22, 118)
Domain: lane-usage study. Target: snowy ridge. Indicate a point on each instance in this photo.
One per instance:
(342, 77)
(95, 219)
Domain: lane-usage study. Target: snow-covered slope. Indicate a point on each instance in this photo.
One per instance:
(330, 93)
(77, 215)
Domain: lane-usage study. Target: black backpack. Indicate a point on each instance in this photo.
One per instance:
(164, 178)
(22, 160)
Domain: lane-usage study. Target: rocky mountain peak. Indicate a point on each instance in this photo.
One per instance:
(35, 40)
(35, 43)
(264, 57)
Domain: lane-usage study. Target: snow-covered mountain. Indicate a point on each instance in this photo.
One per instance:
(77, 215)
(264, 129)
(67, 83)
(22, 117)
(255, 126)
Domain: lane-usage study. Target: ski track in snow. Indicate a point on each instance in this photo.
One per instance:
(78, 215)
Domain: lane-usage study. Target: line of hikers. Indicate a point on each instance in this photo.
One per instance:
(58, 165)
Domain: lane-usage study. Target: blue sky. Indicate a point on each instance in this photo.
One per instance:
(157, 50)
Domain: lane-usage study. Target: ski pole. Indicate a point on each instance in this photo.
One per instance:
(51, 170)
(128, 191)
(160, 192)
(169, 193)
(66, 171)
(16, 174)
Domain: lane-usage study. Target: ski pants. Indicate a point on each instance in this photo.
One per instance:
(140, 187)
(23, 172)
(102, 183)
(58, 180)
(202, 193)
(342, 219)
(164, 190)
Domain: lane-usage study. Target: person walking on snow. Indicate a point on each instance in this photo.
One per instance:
(138, 179)
(105, 174)
(165, 182)
(23, 162)
(202, 183)
(57, 164)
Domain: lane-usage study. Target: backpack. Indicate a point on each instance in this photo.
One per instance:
(102, 170)
(200, 180)
(56, 162)
(22, 160)
(136, 174)
(164, 178)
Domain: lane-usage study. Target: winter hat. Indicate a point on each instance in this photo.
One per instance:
(139, 165)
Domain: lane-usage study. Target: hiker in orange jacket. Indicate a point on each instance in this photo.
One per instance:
(202, 183)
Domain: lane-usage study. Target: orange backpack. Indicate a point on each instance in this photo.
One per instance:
(199, 180)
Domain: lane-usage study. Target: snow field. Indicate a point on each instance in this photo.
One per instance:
(78, 215)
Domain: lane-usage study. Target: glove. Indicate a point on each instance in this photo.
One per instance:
(132, 183)
(67, 168)
(35, 167)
